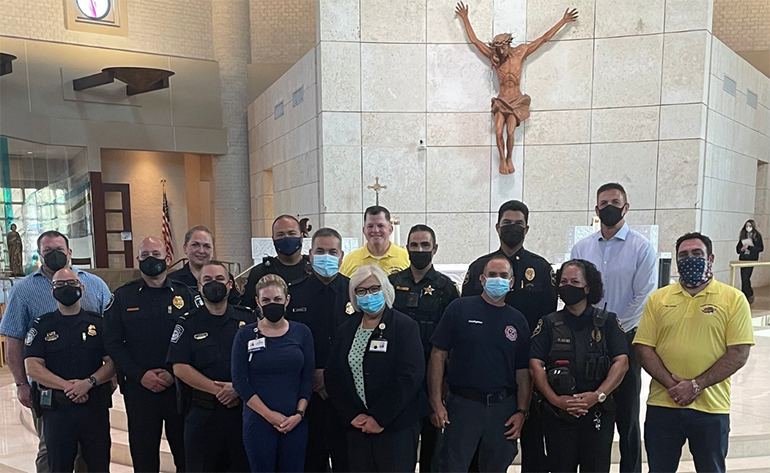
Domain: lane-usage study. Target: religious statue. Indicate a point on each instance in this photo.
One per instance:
(15, 252)
(305, 227)
(510, 107)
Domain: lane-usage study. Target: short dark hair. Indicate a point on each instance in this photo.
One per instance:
(217, 263)
(695, 236)
(53, 234)
(421, 228)
(515, 206)
(327, 232)
(376, 210)
(498, 257)
(612, 186)
(197, 228)
(284, 216)
(592, 276)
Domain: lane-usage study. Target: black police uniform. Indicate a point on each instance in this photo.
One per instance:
(323, 308)
(73, 348)
(585, 345)
(139, 322)
(212, 432)
(185, 276)
(272, 265)
(534, 295)
(425, 302)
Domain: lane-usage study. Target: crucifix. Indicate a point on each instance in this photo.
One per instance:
(377, 188)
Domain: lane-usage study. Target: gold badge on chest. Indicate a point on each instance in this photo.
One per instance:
(51, 336)
(91, 330)
(529, 274)
(428, 290)
(349, 309)
(241, 323)
(178, 302)
(596, 335)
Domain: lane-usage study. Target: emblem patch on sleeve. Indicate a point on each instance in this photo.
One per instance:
(30, 336)
(538, 328)
(178, 330)
(109, 304)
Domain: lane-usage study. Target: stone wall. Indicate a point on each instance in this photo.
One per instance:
(743, 25)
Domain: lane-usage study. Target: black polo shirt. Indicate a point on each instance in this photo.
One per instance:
(487, 344)
(323, 308)
(205, 341)
(272, 265)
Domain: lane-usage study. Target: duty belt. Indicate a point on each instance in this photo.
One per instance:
(483, 398)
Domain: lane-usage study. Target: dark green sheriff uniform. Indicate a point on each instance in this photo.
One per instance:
(425, 302)
(534, 295)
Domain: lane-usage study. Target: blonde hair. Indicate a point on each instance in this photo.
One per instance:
(364, 272)
(272, 280)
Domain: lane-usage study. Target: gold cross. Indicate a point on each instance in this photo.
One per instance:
(377, 188)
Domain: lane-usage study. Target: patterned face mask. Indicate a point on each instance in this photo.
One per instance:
(694, 271)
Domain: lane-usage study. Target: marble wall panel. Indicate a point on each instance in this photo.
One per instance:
(340, 76)
(685, 67)
(627, 71)
(634, 17)
(339, 20)
(444, 26)
(678, 174)
(348, 224)
(632, 165)
(558, 127)
(559, 75)
(458, 179)
(673, 224)
(388, 74)
(464, 236)
(464, 129)
(506, 187)
(397, 130)
(548, 232)
(459, 79)
(510, 16)
(625, 124)
(684, 15)
(556, 177)
(402, 170)
(341, 189)
(542, 15)
(683, 121)
(398, 21)
(340, 129)
(407, 221)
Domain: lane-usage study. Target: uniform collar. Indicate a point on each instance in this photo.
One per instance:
(621, 235)
(710, 288)
(391, 253)
(335, 285)
(514, 257)
(167, 284)
(430, 276)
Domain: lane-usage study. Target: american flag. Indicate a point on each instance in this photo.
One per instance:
(166, 228)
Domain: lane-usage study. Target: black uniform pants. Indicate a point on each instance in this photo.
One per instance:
(386, 451)
(73, 425)
(213, 439)
(326, 437)
(627, 416)
(573, 444)
(147, 412)
(746, 282)
(533, 459)
(429, 446)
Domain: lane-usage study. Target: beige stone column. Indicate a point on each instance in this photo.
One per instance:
(232, 210)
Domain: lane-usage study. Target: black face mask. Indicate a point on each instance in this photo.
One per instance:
(572, 295)
(152, 266)
(55, 260)
(214, 291)
(611, 215)
(512, 235)
(273, 312)
(67, 295)
(420, 259)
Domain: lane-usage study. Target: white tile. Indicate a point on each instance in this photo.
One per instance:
(506, 187)
(685, 67)
(459, 79)
(683, 121)
(341, 179)
(510, 16)
(632, 165)
(444, 26)
(397, 130)
(625, 124)
(464, 236)
(399, 21)
(341, 129)
(458, 179)
(559, 75)
(338, 20)
(683, 15)
(463, 129)
(556, 177)
(558, 127)
(340, 76)
(388, 74)
(542, 15)
(548, 232)
(633, 17)
(627, 71)
(678, 174)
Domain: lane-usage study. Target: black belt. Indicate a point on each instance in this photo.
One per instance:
(483, 398)
(205, 400)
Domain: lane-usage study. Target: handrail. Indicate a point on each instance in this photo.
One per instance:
(744, 264)
(245, 273)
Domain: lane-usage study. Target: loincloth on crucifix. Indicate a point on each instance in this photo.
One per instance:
(518, 107)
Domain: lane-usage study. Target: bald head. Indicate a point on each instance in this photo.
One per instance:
(65, 274)
(151, 246)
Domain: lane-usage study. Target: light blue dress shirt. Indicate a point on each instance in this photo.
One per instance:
(629, 271)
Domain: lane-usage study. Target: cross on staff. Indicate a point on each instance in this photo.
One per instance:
(377, 188)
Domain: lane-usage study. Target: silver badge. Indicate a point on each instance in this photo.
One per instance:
(177, 333)
(30, 336)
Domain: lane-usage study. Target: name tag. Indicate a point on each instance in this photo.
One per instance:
(378, 346)
(299, 309)
(258, 344)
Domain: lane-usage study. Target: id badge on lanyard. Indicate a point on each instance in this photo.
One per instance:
(255, 345)
(380, 344)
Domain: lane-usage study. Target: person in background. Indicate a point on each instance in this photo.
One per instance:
(750, 245)
(378, 248)
(290, 264)
(578, 358)
(629, 269)
(29, 299)
(374, 377)
(66, 358)
(694, 335)
(273, 364)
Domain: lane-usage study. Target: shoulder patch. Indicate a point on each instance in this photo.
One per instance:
(620, 326)
(538, 329)
(553, 277)
(198, 300)
(109, 304)
(178, 330)
(30, 336)
(467, 277)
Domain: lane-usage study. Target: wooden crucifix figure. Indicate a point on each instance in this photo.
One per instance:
(510, 107)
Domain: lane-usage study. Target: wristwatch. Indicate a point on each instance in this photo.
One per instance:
(524, 412)
(602, 396)
(301, 413)
(695, 388)
(92, 380)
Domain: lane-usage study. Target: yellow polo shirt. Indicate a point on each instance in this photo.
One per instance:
(691, 333)
(394, 260)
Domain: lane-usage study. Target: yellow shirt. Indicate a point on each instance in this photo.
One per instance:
(690, 334)
(394, 260)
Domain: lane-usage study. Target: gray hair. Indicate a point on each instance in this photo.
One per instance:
(364, 272)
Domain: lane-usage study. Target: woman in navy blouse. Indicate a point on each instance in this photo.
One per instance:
(272, 370)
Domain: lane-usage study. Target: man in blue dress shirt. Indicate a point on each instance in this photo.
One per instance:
(629, 272)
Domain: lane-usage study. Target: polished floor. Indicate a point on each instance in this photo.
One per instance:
(749, 443)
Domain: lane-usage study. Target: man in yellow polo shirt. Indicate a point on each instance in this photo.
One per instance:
(693, 336)
(378, 248)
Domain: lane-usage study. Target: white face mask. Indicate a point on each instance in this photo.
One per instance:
(749, 229)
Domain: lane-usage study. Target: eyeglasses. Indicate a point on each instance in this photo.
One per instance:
(67, 282)
(362, 291)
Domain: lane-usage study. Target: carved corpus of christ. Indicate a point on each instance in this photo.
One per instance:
(510, 107)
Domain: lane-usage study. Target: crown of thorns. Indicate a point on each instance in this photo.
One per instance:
(502, 39)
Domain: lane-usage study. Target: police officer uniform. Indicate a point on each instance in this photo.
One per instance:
(185, 276)
(73, 348)
(272, 265)
(212, 432)
(425, 302)
(139, 322)
(534, 295)
(578, 353)
(323, 308)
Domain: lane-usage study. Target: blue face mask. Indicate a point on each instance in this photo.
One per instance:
(371, 303)
(326, 265)
(694, 271)
(287, 246)
(497, 288)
